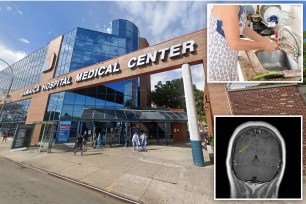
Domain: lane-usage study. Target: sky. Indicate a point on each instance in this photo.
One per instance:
(28, 26)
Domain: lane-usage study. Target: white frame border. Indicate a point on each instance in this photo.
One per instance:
(209, 5)
(259, 116)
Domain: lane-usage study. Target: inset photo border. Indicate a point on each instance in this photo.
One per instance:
(248, 52)
(258, 157)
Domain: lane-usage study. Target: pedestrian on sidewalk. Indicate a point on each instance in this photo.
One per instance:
(79, 144)
(95, 141)
(143, 138)
(135, 141)
(85, 140)
(4, 136)
(99, 140)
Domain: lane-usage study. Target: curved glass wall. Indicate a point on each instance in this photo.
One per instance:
(123, 28)
(26, 71)
(82, 47)
(15, 111)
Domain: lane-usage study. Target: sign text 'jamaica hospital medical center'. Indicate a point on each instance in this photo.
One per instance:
(141, 60)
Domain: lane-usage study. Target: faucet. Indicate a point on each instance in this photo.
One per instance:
(295, 48)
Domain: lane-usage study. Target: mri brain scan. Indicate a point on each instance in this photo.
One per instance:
(256, 160)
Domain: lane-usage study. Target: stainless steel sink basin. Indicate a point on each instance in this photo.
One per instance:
(277, 60)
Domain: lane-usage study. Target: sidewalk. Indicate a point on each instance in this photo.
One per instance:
(163, 174)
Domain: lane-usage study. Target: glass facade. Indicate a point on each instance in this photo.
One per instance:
(68, 105)
(79, 48)
(26, 71)
(15, 111)
(82, 47)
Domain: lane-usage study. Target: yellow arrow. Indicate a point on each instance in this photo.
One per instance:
(243, 149)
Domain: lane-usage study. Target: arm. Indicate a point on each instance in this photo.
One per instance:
(251, 34)
(229, 16)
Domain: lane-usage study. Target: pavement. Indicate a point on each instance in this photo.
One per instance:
(163, 174)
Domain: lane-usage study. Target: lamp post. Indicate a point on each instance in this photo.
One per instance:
(9, 89)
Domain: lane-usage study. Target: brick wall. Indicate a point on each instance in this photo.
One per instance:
(276, 100)
(216, 103)
(144, 82)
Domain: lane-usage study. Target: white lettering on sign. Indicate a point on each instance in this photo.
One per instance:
(57, 83)
(142, 60)
(174, 51)
(99, 72)
(132, 62)
(31, 91)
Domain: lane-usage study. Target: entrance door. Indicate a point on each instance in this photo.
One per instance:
(112, 133)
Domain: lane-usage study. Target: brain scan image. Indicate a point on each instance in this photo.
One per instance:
(256, 161)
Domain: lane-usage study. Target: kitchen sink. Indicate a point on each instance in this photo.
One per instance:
(277, 60)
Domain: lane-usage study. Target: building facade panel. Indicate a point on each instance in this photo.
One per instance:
(216, 103)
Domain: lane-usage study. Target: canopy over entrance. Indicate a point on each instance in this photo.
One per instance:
(132, 115)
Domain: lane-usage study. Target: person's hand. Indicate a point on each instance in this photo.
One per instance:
(266, 39)
(270, 46)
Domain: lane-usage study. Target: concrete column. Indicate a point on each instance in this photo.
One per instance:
(156, 131)
(197, 153)
(126, 134)
(166, 133)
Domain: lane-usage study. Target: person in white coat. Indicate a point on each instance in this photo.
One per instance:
(143, 138)
(135, 141)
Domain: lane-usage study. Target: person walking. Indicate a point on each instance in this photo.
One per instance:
(85, 140)
(79, 144)
(135, 141)
(99, 140)
(143, 138)
(95, 141)
(4, 136)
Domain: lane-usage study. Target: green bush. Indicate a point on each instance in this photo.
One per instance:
(212, 142)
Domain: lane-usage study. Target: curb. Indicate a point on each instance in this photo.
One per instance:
(73, 181)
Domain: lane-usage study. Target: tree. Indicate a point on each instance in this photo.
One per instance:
(198, 97)
(171, 95)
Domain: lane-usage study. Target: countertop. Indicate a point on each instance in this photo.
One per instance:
(251, 67)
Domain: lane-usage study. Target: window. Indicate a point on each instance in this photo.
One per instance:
(105, 49)
(69, 97)
(79, 99)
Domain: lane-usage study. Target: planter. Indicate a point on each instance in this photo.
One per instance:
(210, 153)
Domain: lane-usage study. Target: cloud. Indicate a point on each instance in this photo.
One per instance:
(160, 21)
(198, 77)
(23, 40)
(10, 56)
(165, 76)
(8, 8)
(20, 12)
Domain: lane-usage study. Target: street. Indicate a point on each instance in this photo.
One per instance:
(23, 185)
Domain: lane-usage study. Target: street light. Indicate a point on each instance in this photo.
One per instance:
(9, 89)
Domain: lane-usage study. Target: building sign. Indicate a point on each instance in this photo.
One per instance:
(63, 132)
(31, 91)
(173, 51)
(57, 83)
(48, 86)
(101, 71)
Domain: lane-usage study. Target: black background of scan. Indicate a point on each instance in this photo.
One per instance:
(289, 128)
